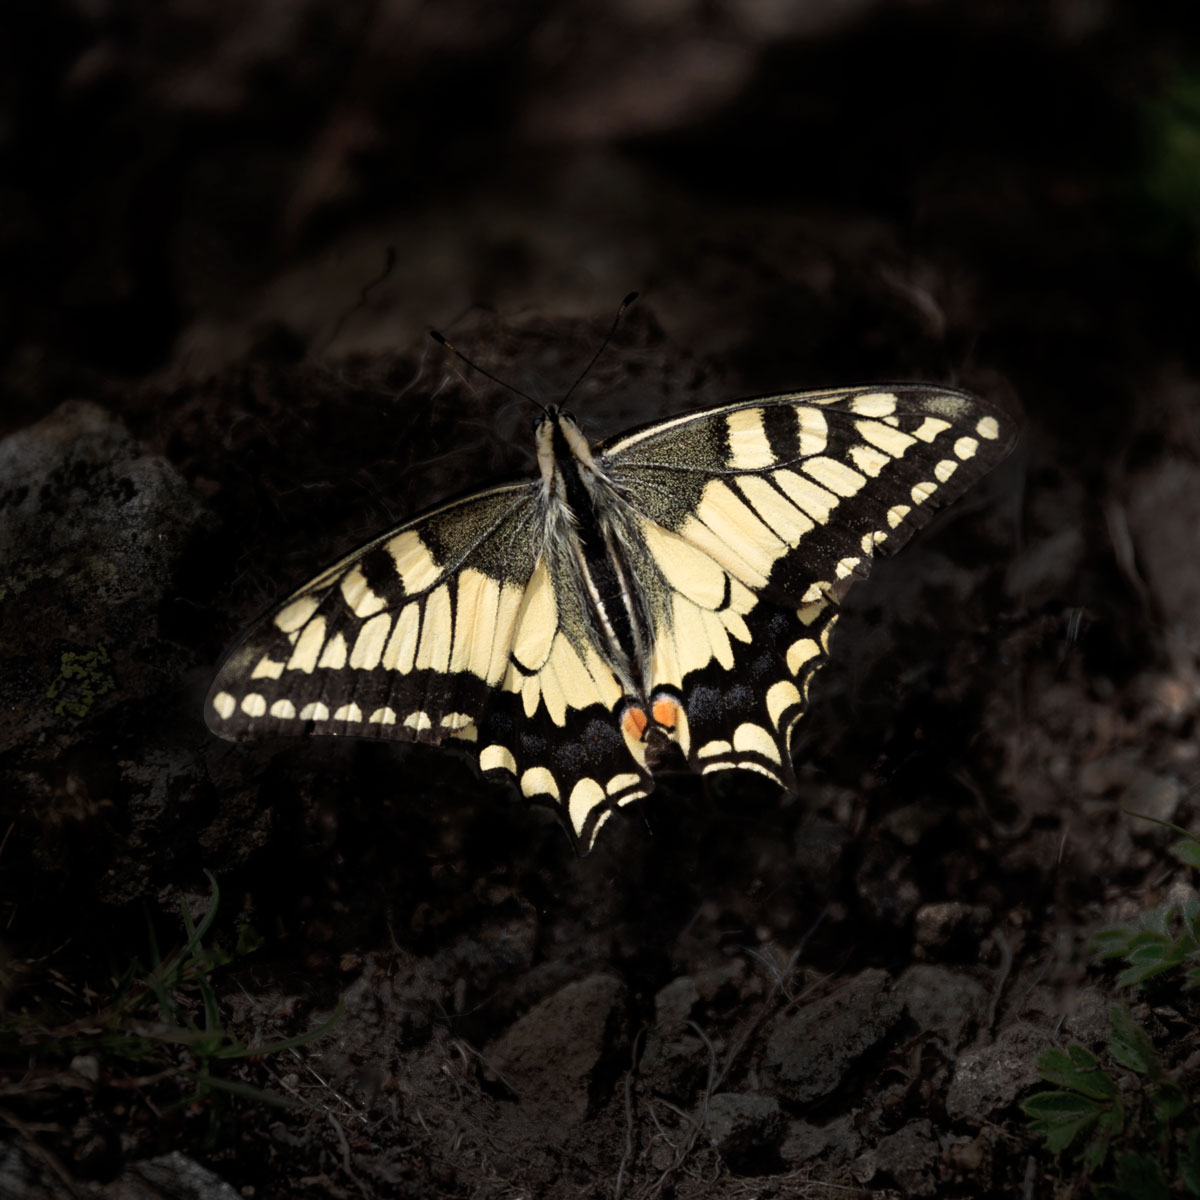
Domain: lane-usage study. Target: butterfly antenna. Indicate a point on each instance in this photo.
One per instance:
(603, 345)
(443, 341)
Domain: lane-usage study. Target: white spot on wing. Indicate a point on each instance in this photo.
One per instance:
(401, 649)
(585, 795)
(800, 652)
(780, 697)
(836, 476)
(930, 428)
(814, 500)
(370, 643)
(622, 782)
(868, 459)
(308, 646)
(885, 437)
(359, 597)
(225, 705)
(414, 563)
(814, 431)
(477, 601)
(538, 781)
(738, 540)
(784, 518)
(687, 568)
(537, 621)
(334, 655)
(436, 632)
(749, 738)
(283, 710)
(497, 758)
(254, 705)
(749, 449)
(874, 404)
(294, 615)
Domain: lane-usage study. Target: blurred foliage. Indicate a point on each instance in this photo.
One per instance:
(1170, 180)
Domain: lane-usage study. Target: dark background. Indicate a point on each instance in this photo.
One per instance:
(224, 231)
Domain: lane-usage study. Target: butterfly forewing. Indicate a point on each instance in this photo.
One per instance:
(788, 498)
(405, 638)
(735, 531)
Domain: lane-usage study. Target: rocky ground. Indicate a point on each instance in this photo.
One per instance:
(339, 969)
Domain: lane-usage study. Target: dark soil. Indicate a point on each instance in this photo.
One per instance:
(225, 231)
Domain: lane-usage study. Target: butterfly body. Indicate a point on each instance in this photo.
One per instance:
(675, 584)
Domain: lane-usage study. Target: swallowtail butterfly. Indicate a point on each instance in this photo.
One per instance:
(675, 583)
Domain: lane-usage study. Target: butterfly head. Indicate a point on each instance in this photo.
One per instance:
(560, 441)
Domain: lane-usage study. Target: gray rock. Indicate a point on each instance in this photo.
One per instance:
(90, 525)
(946, 1002)
(989, 1078)
(937, 925)
(909, 1157)
(741, 1121)
(1085, 1016)
(25, 1175)
(172, 1176)
(808, 1052)
(674, 1067)
(833, 1144)
(1163, 513)
(674, 1004)
(549, 1054)
(1044, 568)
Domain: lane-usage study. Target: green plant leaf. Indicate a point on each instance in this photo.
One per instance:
(1189, 1162)
(1130, 1045)
(1187, 850)
(1150, 939)
(1078, 1069)
(1060, 1117)
(1169, 1100)
(1110, 942)
(1141, 1177)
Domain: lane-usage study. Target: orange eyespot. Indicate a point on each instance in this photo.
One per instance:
(634, 722)
(666, 711)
